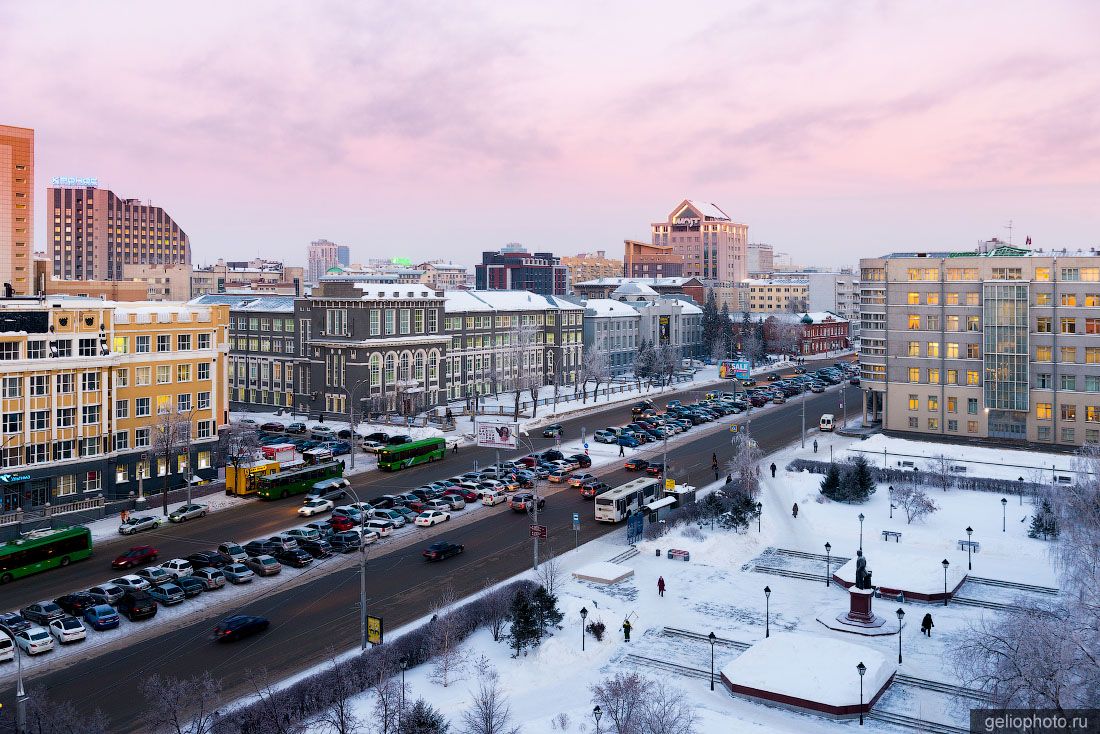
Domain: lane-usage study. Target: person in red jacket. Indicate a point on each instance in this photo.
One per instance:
(661, 586)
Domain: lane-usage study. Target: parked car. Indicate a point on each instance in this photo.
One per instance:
(342, 523)
(261, 547)
(554, 430)
(603, 436)
(629, 441)
(551, 455)
(383, 527)
(42, 613)
(131, 583)
(560, 476)
(206, 559)
(12, 623)
(178, 567)
(238, 573)
(321, 432)
(429, 518)
(393, 516)
(239, 626)
(247, 423)
(264, 565)
(101, 617)
(191, 586)
(137, 605)
(582, 460)
(337, 447)
(273, 427)
(384, 502)
(406, 512)
(106, 593)
(155, 575)
(167, 593)
(232, 551)
(137, 524)
(212, 578)
(580, 478)
(345, 542)
(457, 502)
(522, 502)
(465, 492)
(442, 549)
(76, 604)
(635, 465)
(67, 629)
(300, 534)
(379, 436)
(316, 548)
(297, 558)
(188, 512)
(398, 440)
(296, 428)
(7, 648)
(34, 640)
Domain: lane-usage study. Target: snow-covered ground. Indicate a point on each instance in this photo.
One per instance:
(721, 590)
(107, 527)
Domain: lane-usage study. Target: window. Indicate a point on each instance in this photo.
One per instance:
(13, 387)
(142, 407)
(40, 385)
(933, 349)
(164, 342)
(64, 450)
(40, 420)
(89, 446)
(972, 406)
(952, 405)
(933, 424)
(164, 374)
(336, 321)
(914, 349)
(913, 422)
(1043, 433)
(1090, 275)
(1042, 380)
(1008, 273)
(933, 403)
(914, 402)
(1068, 325)
(404, 315)
(1092, 413)
(953, 426)
(1069, 413)
(1092, 300)
(205, 430)
(973, 299)
(972, 426)
(64, 348)
(1043, 354)
(92, 481)
(9, 350)
(202, 460)
(86, 348)
(1071, 274)
(1042, 299)
(933, 376)
(952, 299)
(122, 377)
(1043, 411)
(1092, 355)
(204, 371)
(375, 322)
(89, 415)
(914, 321)
(391, 321)
(973, 323)
(204, 339)
(952, 323)
(38, 453)
(64, 383)
(932, 322)
(932, 299)
(1068, 435)
(973, 351)
(1092, 326)
(1044, 324)
(13, 422)
(183, 373)
(89, 381)
(952, 350)
(1042, 274)
(183, 402)
(143, 376)
(1092, 435)
(141, 438)
(913, 299)
(1092, 383)
(183, 342)
(1069, 382)
(66, 417)
(36, 349)
(164, 404)
(1068, 354)
(141, 344)
(952, 377)
(914, 374)
(202, 400)
(121, 474)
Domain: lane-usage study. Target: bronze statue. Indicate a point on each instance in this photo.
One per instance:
(863, 574)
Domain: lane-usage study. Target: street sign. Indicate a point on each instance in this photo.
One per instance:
(586, 444)
(576, 520)
(374, 630)
(635, 525)
(670, 484)
(538, 531)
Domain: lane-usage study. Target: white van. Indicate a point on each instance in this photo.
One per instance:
(7, 648)
(493, 497)
(826, 422)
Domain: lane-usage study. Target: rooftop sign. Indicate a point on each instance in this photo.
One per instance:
(74, 181)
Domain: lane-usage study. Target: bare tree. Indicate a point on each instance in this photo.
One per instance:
(743, 464)
(489, 712)
(387, 703)
(276, 715)
(48, 716)
(622, 698)
(669, 358)
(786, 338)
(915, 501)
(939, 472)
(172, 437)
(450, 658)
(550, 573)
(1077, 508)
(595, 367)
(667, 712)
(520, 361)
(339, 716)
(181, 706)
(498, 608)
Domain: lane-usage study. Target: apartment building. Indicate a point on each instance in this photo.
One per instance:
(1000, 343)
(442, 275)
(89, 385)
(379, 344)
(612, 327)
(257, 276)
(321, 256)
(16, 208)
(589, 265)
(778, 294)
(647, 260)
(513, 268)
(760, 259)
(485, 353)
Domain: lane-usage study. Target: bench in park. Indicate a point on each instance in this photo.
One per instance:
(678, 555)
(887, 534)
(971, 544)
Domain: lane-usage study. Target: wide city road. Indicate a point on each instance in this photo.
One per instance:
(318, 616)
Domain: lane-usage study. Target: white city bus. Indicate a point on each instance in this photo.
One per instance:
(615, 504)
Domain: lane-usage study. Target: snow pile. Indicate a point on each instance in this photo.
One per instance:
(897, 567)
(603, 573)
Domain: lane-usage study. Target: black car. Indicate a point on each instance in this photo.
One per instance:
(42, 612)
(552, 455)
(13, 623)
(443, 549)
(206, 559)
(242, 625)
(75, 604)
(261, 547)
(384, 502)
(191, 586)
(583, 460)
(137, 605)
(554, 430)
(316, 548)
(345, 542)
(398, 440)
(382, 438)
(296, 558)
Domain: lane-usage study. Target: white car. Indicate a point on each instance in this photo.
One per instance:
(366, 536)
(320, 433)
(130, 582)
(303, 534)
(34, 640)
(440, 505)
(7, 648)
(247, 423)
(313, 507)
(68, 629)
(372, 447)
(430, 517)
(392, 515)
(384, 528)
(178, 567)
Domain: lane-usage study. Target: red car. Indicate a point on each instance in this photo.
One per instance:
(468, 495)
(655, 469)
(136, 556)
(340, 523)
(528, 461)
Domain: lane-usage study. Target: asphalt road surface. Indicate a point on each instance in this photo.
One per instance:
(314, 618)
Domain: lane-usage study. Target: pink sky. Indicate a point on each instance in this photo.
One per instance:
(834, 130)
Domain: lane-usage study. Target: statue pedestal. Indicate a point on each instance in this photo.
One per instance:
(859, 619)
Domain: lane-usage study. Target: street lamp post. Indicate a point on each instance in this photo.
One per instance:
(861, 531)
(890, 494)
(804, 391)
(584, 616)
(767, 611)
(1004, 515)
(945, 564)
(862, 670)
(20, 694)
(352, 423)
(828, 563)
(401, 711)
(712, 639)
(759, 512)
(597, 714)
(969, 546)
(901, 616)
(362, 581)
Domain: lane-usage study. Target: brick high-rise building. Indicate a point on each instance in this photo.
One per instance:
(589, 266)
(713, 246)
(321, 256)
(16, 207)
(94, 232)
(646, 260)
(515, 269)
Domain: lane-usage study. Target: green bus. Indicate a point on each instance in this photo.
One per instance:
(42, 550)
(401, 456)
(296, 481)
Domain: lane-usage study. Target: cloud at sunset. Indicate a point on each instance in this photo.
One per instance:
(438, 130)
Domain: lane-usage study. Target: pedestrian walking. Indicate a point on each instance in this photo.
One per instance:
(714, 459)
(926, 625)
(815, 445)
(773, 470)
(794, 510)
(622, 452)
(124, 515)
(661, 586)
(454, 448)
(626, 629)
(729, 479)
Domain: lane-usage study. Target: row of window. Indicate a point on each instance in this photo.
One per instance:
(253, 344)
(259, 323)
(931, 322)
(90, 346)
(1068, 355)
(40, 420)
(973, 377)
(64, 450)
(1088, 275)
(932, 349)
(12, 386)
(394, 321)
(143, 344)
(1067, 325)
(934, 425)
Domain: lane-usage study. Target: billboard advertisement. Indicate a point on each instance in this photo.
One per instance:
(734, 368)
(497, 435)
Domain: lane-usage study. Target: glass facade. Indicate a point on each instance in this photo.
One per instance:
(1005, 333)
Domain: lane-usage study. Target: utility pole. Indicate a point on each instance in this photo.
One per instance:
(535, 522)
(20, 695)
(804, 390)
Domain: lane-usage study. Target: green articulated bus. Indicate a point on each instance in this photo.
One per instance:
(42, 550)
(392, 458)
(296, 481)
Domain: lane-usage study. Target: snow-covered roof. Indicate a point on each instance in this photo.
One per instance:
(777, 281)
(634, 289)
(470, 300)
(688, 308)
(618, 280)
(390, 291)
(818, 317)
(608, 307)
